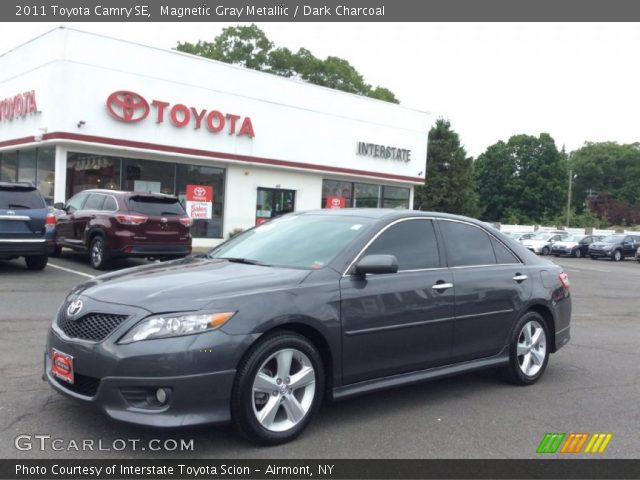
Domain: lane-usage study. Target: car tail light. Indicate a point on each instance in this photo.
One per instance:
(186, 221)
(50, 220)
(131, 219)
(564, 280)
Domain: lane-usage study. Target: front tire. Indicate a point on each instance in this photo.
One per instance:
(278, 388)
(617, 256)
(528, 350)
(36, 262)
(99, 253)
(577, 253)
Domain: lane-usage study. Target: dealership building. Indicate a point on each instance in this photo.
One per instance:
(237, 146)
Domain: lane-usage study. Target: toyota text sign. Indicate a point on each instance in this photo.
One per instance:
(131, 107)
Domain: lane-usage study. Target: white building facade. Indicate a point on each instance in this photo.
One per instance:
(80, 111)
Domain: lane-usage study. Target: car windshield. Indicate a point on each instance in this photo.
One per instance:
(297, 241)
(542, 236)
(16, 198)
(573, 238)
(613, 239)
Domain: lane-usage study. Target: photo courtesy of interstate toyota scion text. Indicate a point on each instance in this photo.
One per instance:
(308, 307)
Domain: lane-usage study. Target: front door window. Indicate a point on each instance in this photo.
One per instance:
(273, 202)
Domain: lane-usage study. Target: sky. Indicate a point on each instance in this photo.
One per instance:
(576, 81)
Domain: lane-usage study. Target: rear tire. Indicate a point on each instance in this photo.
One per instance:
(36, 262)
(56, 252)
(593, 257)
(545, 251)
(269, 405)
(528, 350)
(99, 255)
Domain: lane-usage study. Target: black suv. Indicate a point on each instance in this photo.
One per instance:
(27, 228)
(616, 247)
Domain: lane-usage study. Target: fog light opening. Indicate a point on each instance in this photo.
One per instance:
(162, 395)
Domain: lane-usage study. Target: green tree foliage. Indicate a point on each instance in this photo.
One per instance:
(606, 169)
(249, 47)
(524, 179)
(450, 185)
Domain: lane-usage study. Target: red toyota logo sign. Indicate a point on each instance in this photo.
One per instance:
(127, 106)
(199, 191)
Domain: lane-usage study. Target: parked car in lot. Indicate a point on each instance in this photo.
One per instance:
(541, 242)
(342, 302)
(109, 224)
(574, 245)
(520, 236)
(638, 255)
(27, 228)
(617, 247)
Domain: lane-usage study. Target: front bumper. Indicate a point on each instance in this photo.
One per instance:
(563, 250)
(196, 372)
(600, 253)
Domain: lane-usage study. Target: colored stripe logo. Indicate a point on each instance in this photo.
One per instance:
(556, 442)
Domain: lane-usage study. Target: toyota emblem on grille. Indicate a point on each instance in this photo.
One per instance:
(74, 307)
(163, 220)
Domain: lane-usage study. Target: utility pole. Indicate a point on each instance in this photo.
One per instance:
(569, 194)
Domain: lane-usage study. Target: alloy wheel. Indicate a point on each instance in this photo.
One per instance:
(531, 348)
(617, 255)
(283, 390)
(96, 252)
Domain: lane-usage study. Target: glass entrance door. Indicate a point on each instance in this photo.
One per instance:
(273, 202)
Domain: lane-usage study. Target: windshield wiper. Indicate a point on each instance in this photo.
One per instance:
(247, 261)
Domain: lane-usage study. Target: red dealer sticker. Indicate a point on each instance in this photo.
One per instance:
(62, 365)
(199, 193)
(336, 202)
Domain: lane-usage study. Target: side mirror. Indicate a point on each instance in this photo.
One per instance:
(377, 264)
(59, 205)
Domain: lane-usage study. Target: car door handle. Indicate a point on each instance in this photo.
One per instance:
(439, 287)
(518, 277)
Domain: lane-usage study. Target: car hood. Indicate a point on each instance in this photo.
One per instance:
(534, 243)
(565, 244)
(186, 284)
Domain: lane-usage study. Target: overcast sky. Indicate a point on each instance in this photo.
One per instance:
(578, 82)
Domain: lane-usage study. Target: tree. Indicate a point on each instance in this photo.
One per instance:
(609, 170)
(524, 179)
(249, 47)
(449, 185)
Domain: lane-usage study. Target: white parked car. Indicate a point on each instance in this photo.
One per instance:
(541, 242)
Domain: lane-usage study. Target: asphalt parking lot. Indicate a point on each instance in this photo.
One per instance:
(591, 385)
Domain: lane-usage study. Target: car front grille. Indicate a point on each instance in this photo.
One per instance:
(82, 385)
(92, 326)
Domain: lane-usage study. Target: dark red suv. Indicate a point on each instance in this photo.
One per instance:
(109, 224)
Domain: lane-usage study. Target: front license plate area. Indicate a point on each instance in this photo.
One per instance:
(62, 365)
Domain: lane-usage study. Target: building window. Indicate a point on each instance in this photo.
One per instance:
(206, 176)
(45, 173)
(87, 170)
(342, 194)
(8, 166)
(27, 166)
(395, 197)
(148, 176)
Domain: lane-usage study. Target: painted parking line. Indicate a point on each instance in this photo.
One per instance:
(70, 270)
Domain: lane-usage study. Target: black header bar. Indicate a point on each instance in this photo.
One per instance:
(318, 10)
(318, 469)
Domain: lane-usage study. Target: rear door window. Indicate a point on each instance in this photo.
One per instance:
(155, 206)
(16, 198)
(467, 245)
(94, 202)
(412, 242)
(110, 204)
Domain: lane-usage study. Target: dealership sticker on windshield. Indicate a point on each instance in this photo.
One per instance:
(62, 365)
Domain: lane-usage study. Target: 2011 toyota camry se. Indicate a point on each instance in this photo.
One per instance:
(312, 305)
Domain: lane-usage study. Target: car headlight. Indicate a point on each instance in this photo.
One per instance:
(172, 325)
